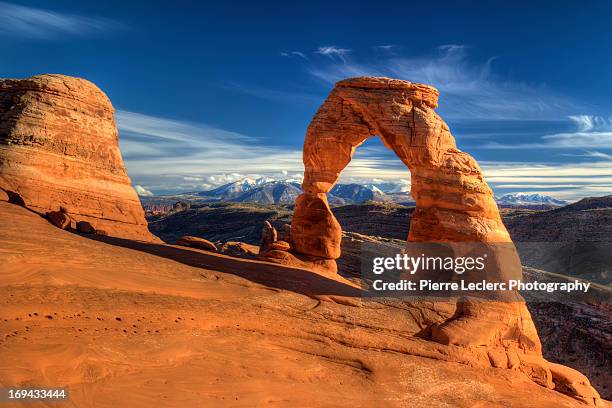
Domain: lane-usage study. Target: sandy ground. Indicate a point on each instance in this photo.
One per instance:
(128, 324)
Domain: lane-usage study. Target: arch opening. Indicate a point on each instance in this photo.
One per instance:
(375, 165)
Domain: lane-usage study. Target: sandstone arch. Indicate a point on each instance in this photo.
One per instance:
(454, 202)
(454, 205)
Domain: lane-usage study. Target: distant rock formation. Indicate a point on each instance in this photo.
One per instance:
(59, 148)
(268, 236)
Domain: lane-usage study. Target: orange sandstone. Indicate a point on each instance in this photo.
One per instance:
(59, 148)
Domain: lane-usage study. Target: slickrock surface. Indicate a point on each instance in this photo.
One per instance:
(573, 333)
(59, 147)
(132, 324)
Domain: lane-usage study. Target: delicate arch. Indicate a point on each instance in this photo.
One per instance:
(454, 205)
(454, 202)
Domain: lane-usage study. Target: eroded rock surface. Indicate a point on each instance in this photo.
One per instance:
(59, 148)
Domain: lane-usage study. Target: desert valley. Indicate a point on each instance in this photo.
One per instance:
(213, 301)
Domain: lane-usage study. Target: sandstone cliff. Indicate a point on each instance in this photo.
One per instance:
(59, 148)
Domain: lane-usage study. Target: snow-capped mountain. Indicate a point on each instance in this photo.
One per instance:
(273, 191)
(235, 189)
(230, 190)
(527, 199)
(394, 187)
(358, 193)
(267, 190)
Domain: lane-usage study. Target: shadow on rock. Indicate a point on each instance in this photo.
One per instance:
(271, 275)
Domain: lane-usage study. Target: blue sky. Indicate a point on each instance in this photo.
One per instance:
(207, 93)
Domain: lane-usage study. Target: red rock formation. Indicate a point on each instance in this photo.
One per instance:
(454, 205)
(60, 219)
(240, 249)
(197, 242)
(59, 147)
(85, 227)
(280, 246)
(268, 236)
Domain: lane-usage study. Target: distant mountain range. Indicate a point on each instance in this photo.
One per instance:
(273, 191)
(526, 199)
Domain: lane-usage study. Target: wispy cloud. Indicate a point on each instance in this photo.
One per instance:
(165, 154)
(592, 133)
(469, 89)
(568, 181)
(36, 23)
(294, 54)
(587, 123)
(170, 141)
(333, 52)
(385, 47)
(597, 155)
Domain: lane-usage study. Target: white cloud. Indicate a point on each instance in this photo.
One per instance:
(333, 52)
(586, 123)
(578, 140)
(174, 130)
(598, 155)
(294, 53)
(29, 22)
(385, 47)
(141, 191)
(168, 154)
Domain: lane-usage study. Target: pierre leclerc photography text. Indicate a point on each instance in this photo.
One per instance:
(312, 204)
